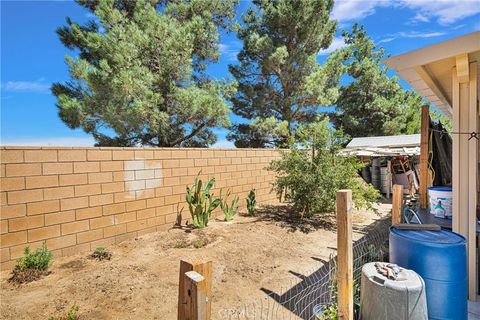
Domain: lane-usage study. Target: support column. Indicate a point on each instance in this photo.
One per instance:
(464, 164)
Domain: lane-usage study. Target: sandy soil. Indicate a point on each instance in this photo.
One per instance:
(141, 279)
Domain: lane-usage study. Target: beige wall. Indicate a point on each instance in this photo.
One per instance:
(80, 198)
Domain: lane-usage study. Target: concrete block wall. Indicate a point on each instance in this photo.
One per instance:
(76, 199)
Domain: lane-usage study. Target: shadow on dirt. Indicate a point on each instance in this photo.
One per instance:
(286, 217)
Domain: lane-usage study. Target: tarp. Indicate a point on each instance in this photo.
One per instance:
(441, 155)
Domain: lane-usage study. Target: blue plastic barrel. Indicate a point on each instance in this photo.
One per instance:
(440, 258)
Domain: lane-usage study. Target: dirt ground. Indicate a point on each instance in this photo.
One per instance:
(141, 279)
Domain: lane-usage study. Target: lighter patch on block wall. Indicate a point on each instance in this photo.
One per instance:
(141, 175)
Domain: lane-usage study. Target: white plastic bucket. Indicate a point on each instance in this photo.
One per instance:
(440, 196)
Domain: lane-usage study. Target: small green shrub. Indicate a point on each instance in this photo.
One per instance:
(229, 210)
(71, 315)
(329, 312)
(251, 202)
(39, 260)
(313, 170)
(200, 243)
(200, 209)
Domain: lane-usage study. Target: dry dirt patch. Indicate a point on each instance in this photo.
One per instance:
(141, 278)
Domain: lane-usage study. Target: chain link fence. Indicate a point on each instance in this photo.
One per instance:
(314, 297)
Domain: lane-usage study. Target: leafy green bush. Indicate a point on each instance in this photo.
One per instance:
(39, 260)
(197, 198)
(229, 210)
(251, 202)
(313, 171)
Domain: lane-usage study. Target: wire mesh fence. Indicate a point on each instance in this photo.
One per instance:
(315, 295)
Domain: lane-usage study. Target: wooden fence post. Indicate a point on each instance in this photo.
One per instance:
(424, 135)
(397, 202)
(205, 270)
(344, 255)
(196, 298)
(389, 178)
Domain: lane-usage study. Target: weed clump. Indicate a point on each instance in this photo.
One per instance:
(71, 315)
(101, 253)
(32, 266)
(200, 243)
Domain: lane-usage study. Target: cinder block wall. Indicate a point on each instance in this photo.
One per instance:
(76, 199)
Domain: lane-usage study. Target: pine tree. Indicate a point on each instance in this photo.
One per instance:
(280, 82)
(140, 79)
(373, 104)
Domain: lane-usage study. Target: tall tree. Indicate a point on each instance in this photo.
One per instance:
(139, 78)
(280, 82)
(372, 104)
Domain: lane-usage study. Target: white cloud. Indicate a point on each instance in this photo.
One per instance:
(444, 11)
(419, 17)
(50, 141)
(223, 144)
(337, 43)
(39, 86)
(348, 10)
(411, 35)
(389, 39)
(230, 50)
(415, 34)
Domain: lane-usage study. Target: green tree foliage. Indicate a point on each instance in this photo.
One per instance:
(312, 171)
(280, 82)
(414, 125)
(373, 104)
(139, 78)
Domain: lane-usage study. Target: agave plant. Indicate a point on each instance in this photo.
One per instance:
(201, 202)
(229, 210)
(251, 202)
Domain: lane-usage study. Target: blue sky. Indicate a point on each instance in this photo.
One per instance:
(32, 56)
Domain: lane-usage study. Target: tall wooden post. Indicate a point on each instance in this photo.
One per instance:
(205, 270)
(397, 199)
(344, 255)
(424, 133)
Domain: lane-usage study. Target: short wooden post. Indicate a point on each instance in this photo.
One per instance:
(389, 178)
(196, 298)
(205, 270)
(424, 133)
(344, 255)
(397, 202)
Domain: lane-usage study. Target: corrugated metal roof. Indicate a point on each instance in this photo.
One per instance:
(385, 141)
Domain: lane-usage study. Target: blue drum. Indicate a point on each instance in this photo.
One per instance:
(440, 258)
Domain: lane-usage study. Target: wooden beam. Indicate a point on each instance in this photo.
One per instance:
(462, 68)
(424, 135)
(433, 85)
(205, 270)
(435, 52)
(344, 255)
(397, 203)
(196, 297)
